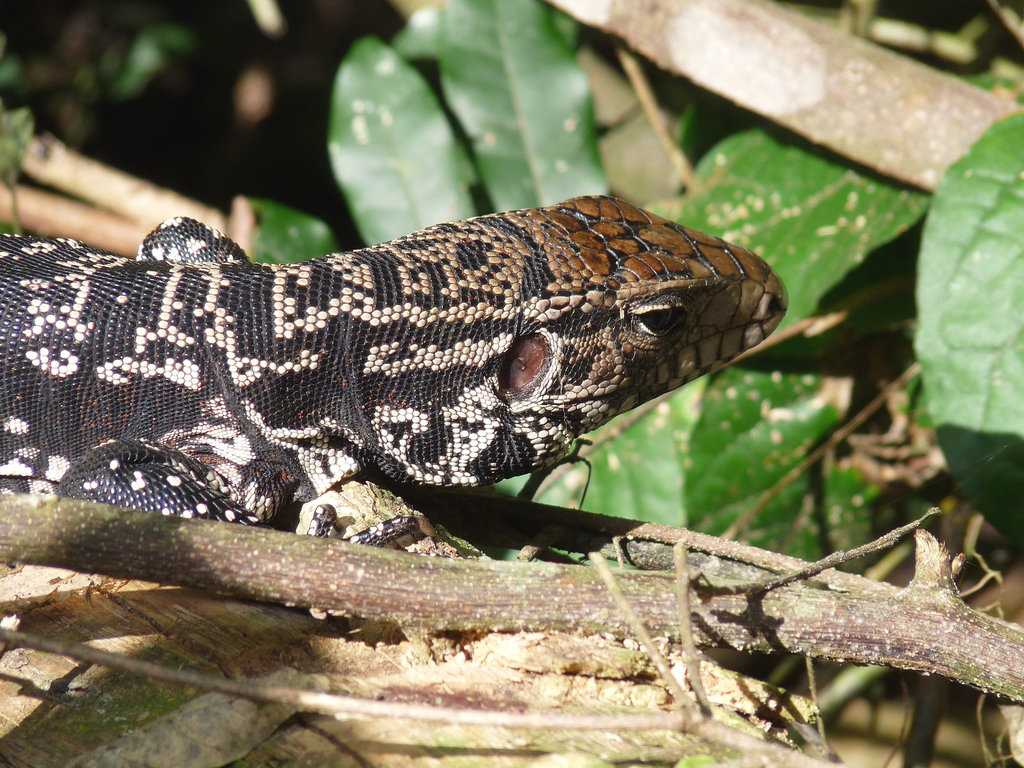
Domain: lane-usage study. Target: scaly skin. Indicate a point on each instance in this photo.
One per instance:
(193, 382)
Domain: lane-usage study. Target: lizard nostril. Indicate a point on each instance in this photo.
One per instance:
(773, 303)
(779, 297)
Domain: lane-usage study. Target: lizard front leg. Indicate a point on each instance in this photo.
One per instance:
(151, 477)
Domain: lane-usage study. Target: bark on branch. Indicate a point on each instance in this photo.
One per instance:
(860, 100)
(926, 627)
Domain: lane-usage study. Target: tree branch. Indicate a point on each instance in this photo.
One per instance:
(880, 109)
(924, 628)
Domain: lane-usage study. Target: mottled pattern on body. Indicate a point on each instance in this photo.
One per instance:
(193, 382)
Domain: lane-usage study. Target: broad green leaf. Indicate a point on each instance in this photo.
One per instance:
(970, 338)
(753, 428)
(391, 147)
(812, 219)
(846, 513)
(703, 456)
(522, 98)
(816, 221)
(635, 467)
(421, 36)
(286, 235)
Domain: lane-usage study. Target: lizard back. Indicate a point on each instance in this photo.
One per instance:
(462, 354)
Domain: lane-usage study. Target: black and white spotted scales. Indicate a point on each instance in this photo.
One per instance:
(192, 382)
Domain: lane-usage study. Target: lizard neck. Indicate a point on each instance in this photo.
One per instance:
(300, 376)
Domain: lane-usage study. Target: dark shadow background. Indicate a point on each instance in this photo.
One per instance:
(159, 89)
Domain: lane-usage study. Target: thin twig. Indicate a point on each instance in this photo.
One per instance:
(812, 685)
(1012, 25)
(835, 559)
(531, 488)
(645, 94)
(546, 538)
(639, 630)
(766, 752)
(54, 215)
(881, 569)
(970, 548)
(814, 456)
(268, 17)
(50, 162)
(356, 707)
(335, 704)
(679, 557)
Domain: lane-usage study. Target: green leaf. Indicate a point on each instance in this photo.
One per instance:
(152, 52)
(816, 221)
(698, 761)
(970, 338)
(705, 455)
(846, 512)
(520, 95)
(16, 126)
(421, 37)
(12, 69)
(753, 428)
(813, 219)
(391, 147)
(286, 235)
(635, 467)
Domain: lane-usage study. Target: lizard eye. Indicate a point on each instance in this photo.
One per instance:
(659, 321)
(524, 365)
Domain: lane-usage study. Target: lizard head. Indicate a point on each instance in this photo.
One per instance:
(581, 311)
(637, 306)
